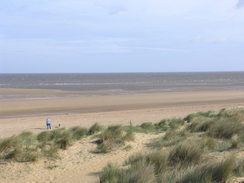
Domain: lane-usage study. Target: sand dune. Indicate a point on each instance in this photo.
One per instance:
(77, 164)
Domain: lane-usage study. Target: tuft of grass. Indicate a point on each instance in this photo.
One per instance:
(200, 115)
(235, 142)
(171, 137)
(223, 146)
(218, 172)
(185, 154)
(44, 137)
(159, 160)
(148, 126)
(95, 129)
(162, 125)
(210, 143)
(50, 151)
(77, 132)
(112, 137)
(170, 134)
(140, 172)
(26, 156)
(225, 129)
(64, 140)
(135, 158)
(239, 168)
(201, 125)
(175, 123)
(21, 148)
(110, 174)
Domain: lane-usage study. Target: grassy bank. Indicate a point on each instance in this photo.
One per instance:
(204, 147)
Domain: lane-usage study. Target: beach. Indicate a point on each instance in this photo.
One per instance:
(27, 112)
(19, 114)
(121, 91)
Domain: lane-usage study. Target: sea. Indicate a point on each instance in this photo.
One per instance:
(124, 82)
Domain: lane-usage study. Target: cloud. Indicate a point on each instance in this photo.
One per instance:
(240, 4)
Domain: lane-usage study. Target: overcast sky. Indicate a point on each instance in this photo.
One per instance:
(121, 35)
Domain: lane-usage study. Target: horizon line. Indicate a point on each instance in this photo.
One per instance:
(118, 72)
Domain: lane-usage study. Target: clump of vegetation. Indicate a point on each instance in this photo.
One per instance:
(170, 138)
(211, 172)
(209, 143)
(140, 172)
(170, 123)
(112, 137)
(185, 154)
(95, 129)
(239, 168)
(27, 147)
(156, 167)
(110, 173)
(21, 148)
(158, 159)
(200, 115)
(77, 132)
(147, 126)
(222, 124)
(201, 125)
(225, 129)
(235, 142)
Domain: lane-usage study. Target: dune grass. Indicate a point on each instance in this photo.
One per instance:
(170, 138)
(162, 126)
(141, 168)
(95, 129)
(193, 149)
(189, 151)
(185, 154)
(113, 137)
(157, 167)
(211, 172)
(27, 147)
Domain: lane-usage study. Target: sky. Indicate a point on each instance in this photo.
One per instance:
(81, 36)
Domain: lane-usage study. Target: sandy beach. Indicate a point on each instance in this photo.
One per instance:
(78, 164)
(29, 114)
(121, 91)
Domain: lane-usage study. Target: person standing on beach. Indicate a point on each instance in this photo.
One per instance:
(48, 123)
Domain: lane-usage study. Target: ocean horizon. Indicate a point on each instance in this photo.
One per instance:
(128, 82)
